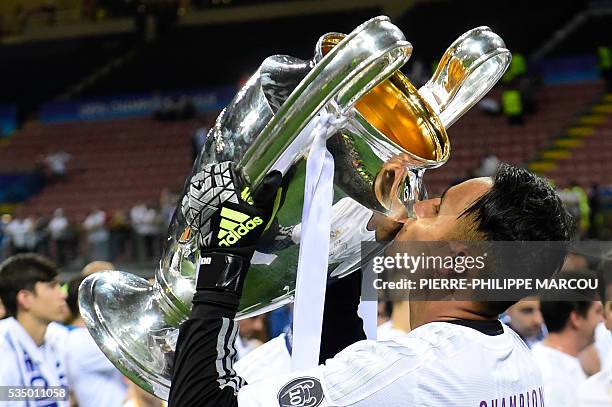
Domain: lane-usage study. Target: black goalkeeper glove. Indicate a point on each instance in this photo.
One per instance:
(228, 220)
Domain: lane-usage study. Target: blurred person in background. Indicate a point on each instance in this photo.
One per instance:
(251, 335)
(596, 391)
(197, 141)
(512, 106)
(596, 219)
(33, 298)
(95, 267)
(577, 202)
(603, 341)
(57, 165)
(604, 63)
(97, 234)
(571, 328)
(144, 224)
(119, 235)
(2, 310)
(21, 233)
(525, 318)
(488, 165)
(59, 230)
(167, 203)
(94, 380)
(41, 235)
(5, 241)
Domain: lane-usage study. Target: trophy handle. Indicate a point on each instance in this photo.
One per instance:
(366, 57)
(467, 71)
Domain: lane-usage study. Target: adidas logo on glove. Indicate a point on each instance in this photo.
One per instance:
(234, 225)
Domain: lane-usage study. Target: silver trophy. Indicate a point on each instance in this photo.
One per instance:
(391, 134)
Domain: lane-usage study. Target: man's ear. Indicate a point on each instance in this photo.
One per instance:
(574, 320)
(24, 299)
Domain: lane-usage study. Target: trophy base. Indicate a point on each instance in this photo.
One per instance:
(123, 315)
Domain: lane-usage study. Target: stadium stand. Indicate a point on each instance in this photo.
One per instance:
(590, 161)
(115, 164)
(477, 134)
(119, 163)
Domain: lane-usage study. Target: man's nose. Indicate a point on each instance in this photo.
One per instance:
(538, 318)
(426, 208)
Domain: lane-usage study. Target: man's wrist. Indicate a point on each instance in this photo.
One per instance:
(221, 275)
(222, 270)
(214, 304)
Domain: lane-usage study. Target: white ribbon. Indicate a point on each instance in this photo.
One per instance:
(314, 245)
(368, 311)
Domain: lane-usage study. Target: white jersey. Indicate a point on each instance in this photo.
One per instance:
(270, 359)
(596, 391)
(437, 364)
(57, 336)
(26, 364)
(93, 378)
(562, 374)
(603, 344)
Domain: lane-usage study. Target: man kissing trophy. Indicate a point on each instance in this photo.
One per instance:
(380, 134)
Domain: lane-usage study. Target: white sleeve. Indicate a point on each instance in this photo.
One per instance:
(9, 368)
(268, 360)
(86, 355)
(364, 374)
(9, 374)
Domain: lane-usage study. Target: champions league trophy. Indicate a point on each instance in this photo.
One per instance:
(387, 134)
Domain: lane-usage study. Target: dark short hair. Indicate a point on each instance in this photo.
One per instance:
(73, 295)
(557, 305)
(520, 206)
(22, 272)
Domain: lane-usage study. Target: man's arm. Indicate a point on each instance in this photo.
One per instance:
(203, 373)
(203, 368)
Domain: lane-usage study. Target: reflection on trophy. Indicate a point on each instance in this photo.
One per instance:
(390, 134)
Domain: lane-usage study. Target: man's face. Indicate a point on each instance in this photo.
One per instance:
(251, 327)
(438, 218)
(46, 302)
(526, 318)
(586, 325)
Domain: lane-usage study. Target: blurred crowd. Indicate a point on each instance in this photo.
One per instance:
(40, 310)
(126, 236)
